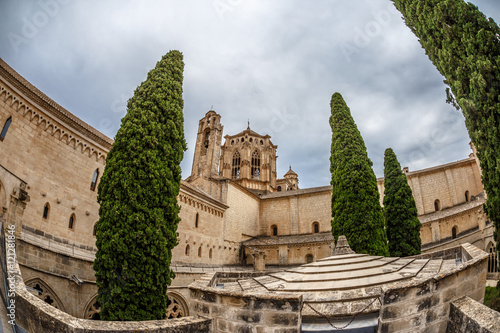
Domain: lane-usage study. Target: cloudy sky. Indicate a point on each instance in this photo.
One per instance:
(275, 63)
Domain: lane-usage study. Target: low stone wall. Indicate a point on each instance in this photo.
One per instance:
(240, 312)
(425, 306)
(36, 316)
(467, 315)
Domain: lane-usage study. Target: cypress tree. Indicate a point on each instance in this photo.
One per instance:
(356, 209)
(400, 211)
(465, 47)
(137, 194)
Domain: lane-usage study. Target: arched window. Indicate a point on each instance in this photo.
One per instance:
(206, 141)
(309, 258)
(196, 220)
(187, 250)
(199, 251)
(95, 176)
(274, 230)
(493, 259)
(210, 254)
(315, 227)
(437, 205)
(235, 171)
(5, 128)
(71, 223)
(46, 210)
(454, 232)
(93, 309)
(95, 229)
(256, 165)
(467, 198)
(279, 188)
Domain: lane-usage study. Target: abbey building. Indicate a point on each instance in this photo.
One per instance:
(237, 213)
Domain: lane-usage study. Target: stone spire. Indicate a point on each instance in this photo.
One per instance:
(342, 247)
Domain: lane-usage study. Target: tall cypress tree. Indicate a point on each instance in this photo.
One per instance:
(356, 209)
(464, 46)
(137, 194)
(400, 211)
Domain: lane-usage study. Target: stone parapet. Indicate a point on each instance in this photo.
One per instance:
(36, 316)
(467, 315)
(424, 305)
(244, 312)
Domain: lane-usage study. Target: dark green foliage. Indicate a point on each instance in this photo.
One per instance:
(138, 210)
(401, 221)
(465, 47)
(356, 209)
(492, 298)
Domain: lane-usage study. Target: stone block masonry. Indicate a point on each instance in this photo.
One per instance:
(467, 315)
(239, 312)
(424, 306)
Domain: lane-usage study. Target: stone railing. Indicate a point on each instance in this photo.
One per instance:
(424, 306)
(467, 315)
(239, 312)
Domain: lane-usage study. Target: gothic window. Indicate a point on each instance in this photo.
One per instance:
(493, 259)
(206, 140)
(454, 232)
(315, 227)
(235, 171)
(94, 180)
(187, 250)
(176, 306)
(279, 188)
(210, 254)
(437, 205)
(71, 223)
(93, 309)
(199, 251)
(43, 292)
(256, 165)
(309, 258)
(467, 196)
(274, 230)
(46, 210)
(196, 220)
(5, 128)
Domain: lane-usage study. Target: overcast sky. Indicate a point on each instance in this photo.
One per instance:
(275, 63)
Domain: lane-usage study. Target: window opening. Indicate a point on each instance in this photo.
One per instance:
(256, 165)
(94, 180)
(5, 128)
(235, 173)
(46, 209)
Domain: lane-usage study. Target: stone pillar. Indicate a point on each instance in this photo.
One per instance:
(294, 215)
(283, 255)
(259, 261)
(436, 235)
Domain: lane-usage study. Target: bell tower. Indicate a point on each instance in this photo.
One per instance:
(208, 143)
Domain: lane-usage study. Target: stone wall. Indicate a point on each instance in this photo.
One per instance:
(36, 316)
(447, 183)
(295, 212)
(467, 315)
(55, 153)
(241, 221)
(425, 306)
(200, 228)
(237, 312)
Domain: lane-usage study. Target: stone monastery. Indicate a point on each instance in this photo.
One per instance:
(237, 217)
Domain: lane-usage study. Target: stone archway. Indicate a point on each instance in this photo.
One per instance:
(176, 305)
(42, 290)
(92, 309)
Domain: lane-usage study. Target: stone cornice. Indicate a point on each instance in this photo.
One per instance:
(23, 87)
